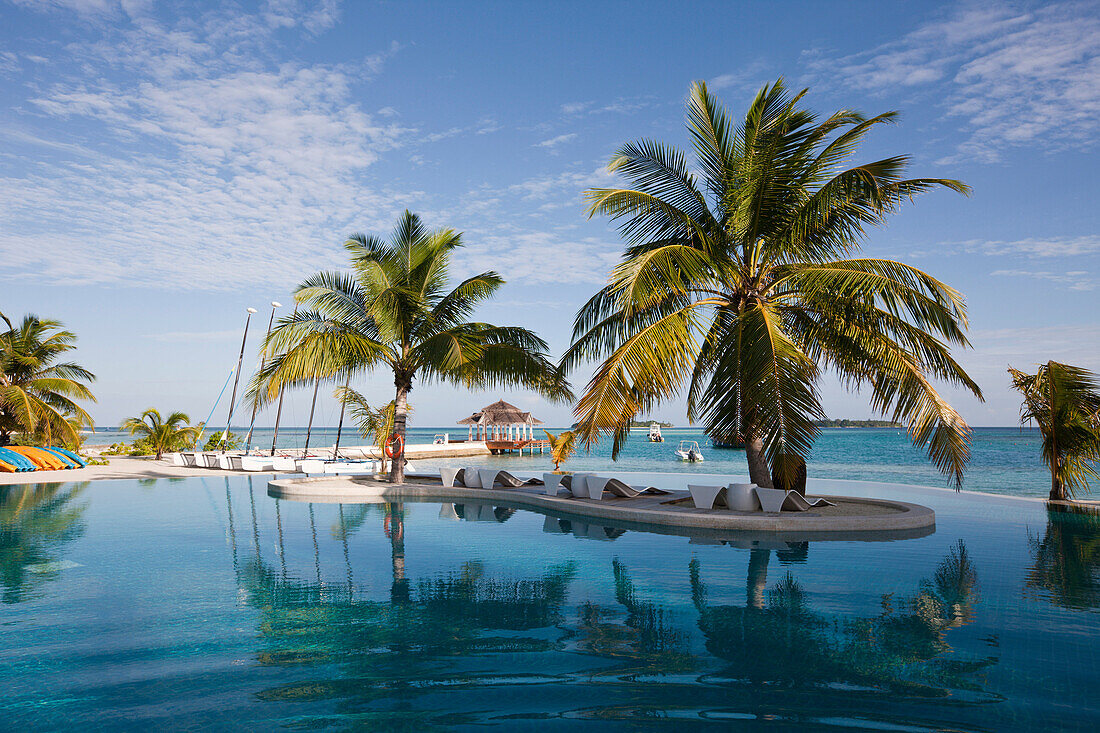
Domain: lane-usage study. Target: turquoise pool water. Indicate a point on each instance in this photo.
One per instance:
(202, 603)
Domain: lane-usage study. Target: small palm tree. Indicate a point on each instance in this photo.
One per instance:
(38, 394)
(395, 310)
(375, 423)
(562, 447)
(743, 285)
(163, 436)
(1064, 401)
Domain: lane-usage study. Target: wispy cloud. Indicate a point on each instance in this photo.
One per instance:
(211, 167)
(622, 105)
(1032, 247)
(556, 141)
(1014, 77)
(1074, 279)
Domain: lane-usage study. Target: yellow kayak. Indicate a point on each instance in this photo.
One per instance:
(6, 467)
(39, 457)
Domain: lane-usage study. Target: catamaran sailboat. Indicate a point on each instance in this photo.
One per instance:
(689, 451)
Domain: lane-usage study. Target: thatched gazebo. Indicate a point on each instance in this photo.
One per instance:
(501, 421)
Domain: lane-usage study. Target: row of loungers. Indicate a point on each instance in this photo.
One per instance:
(273, 464)
(734, 497)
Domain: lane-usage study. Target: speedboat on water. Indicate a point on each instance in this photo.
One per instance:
(655, 433)
(689, 451)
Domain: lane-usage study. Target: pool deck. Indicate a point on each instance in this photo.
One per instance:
(851, 516)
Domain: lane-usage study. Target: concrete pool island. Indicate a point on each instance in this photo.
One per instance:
(672, 512)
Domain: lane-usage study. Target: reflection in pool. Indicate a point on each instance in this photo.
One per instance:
(207, 603)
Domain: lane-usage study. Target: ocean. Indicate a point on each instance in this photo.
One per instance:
(1003, 460)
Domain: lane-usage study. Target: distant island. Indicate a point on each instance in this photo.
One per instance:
(857, 424)
(636, 424)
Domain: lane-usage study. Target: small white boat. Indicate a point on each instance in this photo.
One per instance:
(440, 439)
(655, 433)
(689, 451)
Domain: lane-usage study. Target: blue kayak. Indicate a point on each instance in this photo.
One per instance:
(65, 453)
(20, 461)
(69, 462)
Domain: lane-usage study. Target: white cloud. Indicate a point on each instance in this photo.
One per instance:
(1074, 279)
(556, 141)
(194, 164)
(1014, 77)
(1033, 247)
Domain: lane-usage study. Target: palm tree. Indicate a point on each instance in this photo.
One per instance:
(37, 392)
(1064, 401)
(163, 435)
(395, 310)
(562, 447)
(745, 285)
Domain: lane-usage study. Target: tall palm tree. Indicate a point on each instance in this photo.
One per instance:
(395, 310)
(38, 393)
(1064, 401)
(162, 435)
(744, 284)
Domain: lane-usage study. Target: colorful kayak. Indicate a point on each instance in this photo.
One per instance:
(20, 461)
(43, 459)
(80, 462)
(6, 467)
(69, 462)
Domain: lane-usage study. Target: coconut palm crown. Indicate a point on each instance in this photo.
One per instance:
(163, 435)
(1064, 401)
(38, 392)
(396, 309)
(741, 282)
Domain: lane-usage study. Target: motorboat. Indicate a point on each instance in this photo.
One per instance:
(655, 433)
(689, 451)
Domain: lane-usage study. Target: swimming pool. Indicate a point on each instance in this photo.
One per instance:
(202, 602)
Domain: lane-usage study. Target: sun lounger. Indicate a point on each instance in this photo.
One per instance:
(776, 500)
(597, 486)
(451, 476)
(490, 477)
(573, 484)
(706, 497)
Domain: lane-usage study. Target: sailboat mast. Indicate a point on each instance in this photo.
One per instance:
(263, 362)
(309, 428)
(236, 379)
(279, 412)
(340, 424)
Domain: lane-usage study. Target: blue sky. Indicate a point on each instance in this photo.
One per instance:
(164, 166)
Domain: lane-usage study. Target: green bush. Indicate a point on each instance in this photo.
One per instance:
(232, 441)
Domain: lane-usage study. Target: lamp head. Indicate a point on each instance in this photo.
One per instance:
(276, 304)
(251, 310)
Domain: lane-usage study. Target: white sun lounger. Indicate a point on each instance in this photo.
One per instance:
(776, 500)
(490, 477)
(705, 497)
(597, 486)
(742, 498)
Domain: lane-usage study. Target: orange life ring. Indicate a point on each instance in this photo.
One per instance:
(395, 446)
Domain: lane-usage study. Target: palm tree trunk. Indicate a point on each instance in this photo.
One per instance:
(756, 583)
(400, 413)
(759, 473)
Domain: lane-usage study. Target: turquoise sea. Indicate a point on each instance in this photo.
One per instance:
(1004, 460)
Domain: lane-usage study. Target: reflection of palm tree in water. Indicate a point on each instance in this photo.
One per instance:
(36, 522)
(1066, 561)
(394, 527)
(777, 638)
